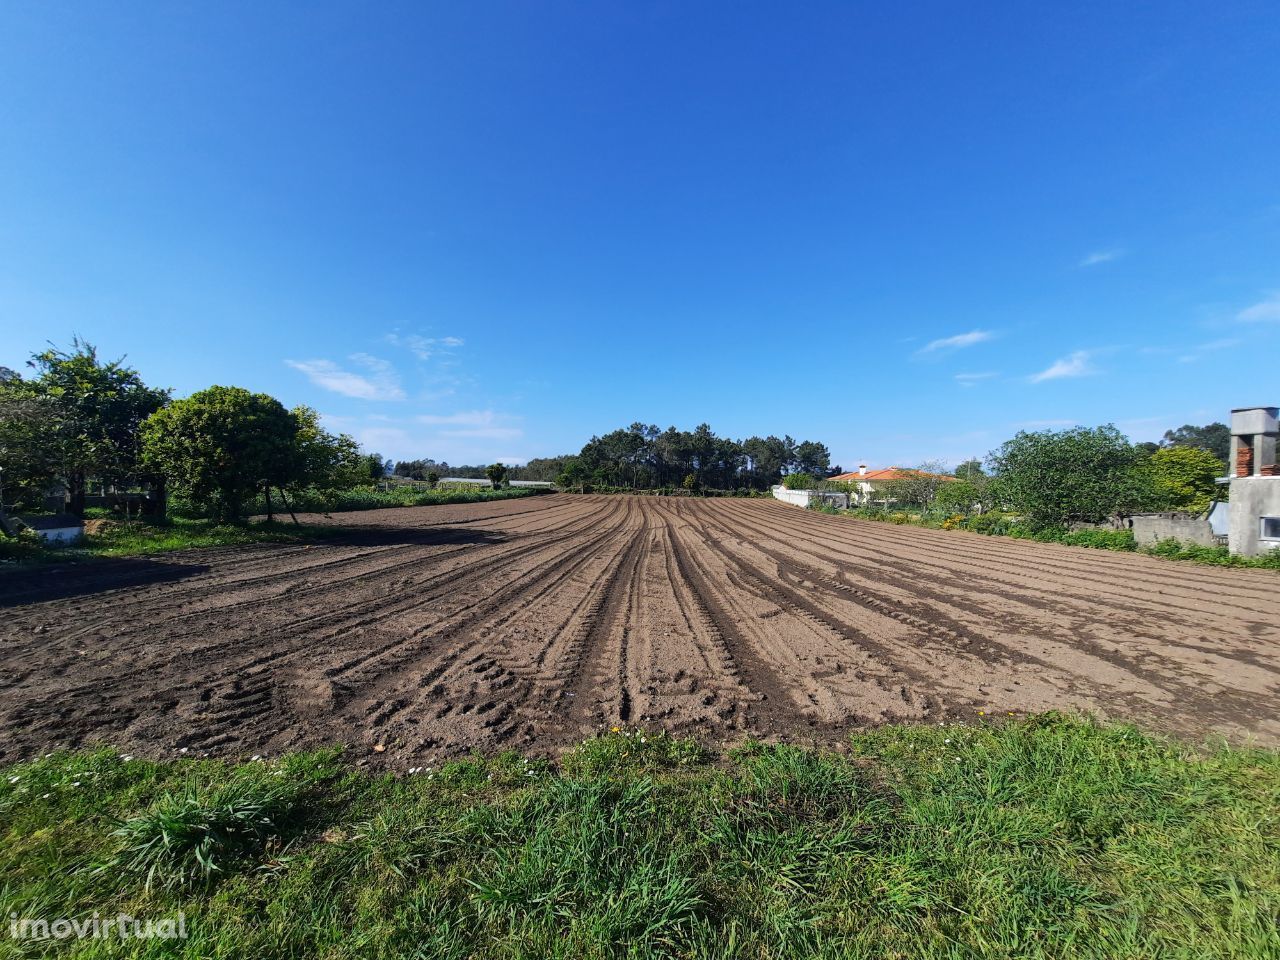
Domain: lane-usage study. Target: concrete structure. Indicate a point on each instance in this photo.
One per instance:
(803, 498)
(1254, 525)
(1254, 520)
(1151, 528)
(57, 529)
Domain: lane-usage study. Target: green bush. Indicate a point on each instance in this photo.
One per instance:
(800, 481)
(1100, 539)
(1216, 556)
(991, 524)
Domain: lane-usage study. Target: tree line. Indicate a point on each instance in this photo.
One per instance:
(645, 457)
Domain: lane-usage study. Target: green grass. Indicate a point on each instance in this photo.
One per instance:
(368, 498)
(1044, 837)
(140, 538)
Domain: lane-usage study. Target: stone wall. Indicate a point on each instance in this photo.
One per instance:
(1151, 528)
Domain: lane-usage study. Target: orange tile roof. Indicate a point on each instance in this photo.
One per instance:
(888, 473)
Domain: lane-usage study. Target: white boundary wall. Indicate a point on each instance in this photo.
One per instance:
(802, 498)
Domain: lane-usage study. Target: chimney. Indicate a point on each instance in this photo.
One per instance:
(862, 469)
(1253, 441)
(1244, 459)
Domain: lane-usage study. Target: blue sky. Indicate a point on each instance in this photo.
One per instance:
(487, 231)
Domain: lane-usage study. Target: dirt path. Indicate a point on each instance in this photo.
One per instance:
(534, 623)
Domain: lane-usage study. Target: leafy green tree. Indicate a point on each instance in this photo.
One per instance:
(963, 496)
(323, 460)
(918, 487)
(376, 467)
(25, 465)
(221, 446)
(970, 469)
(573, 475)
(1214, 437)
(1184, 478)
(432, 478)
(27, 462)
(77, 419)
(812, 457)
(767, 459)
(497, 474)
(1084, 474)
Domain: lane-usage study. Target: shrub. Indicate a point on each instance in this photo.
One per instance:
(1101, 539)
(1173, 549)
(992, 524)
(800, 481)
(822, 506)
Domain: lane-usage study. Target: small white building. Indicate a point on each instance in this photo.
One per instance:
(1254, 517)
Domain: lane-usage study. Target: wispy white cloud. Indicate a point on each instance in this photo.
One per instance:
(969, 379)
(1264, 311)
(378, 382)
(477, 436)
(1100, 256)
(957, 342)
(466, 418)
(424, 348)
(1073, 365)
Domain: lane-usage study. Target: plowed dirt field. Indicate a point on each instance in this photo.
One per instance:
(428, 632)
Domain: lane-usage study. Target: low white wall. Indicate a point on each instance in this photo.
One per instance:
(802, 498)
(798, 498)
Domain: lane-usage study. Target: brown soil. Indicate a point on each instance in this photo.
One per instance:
(531, 624)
